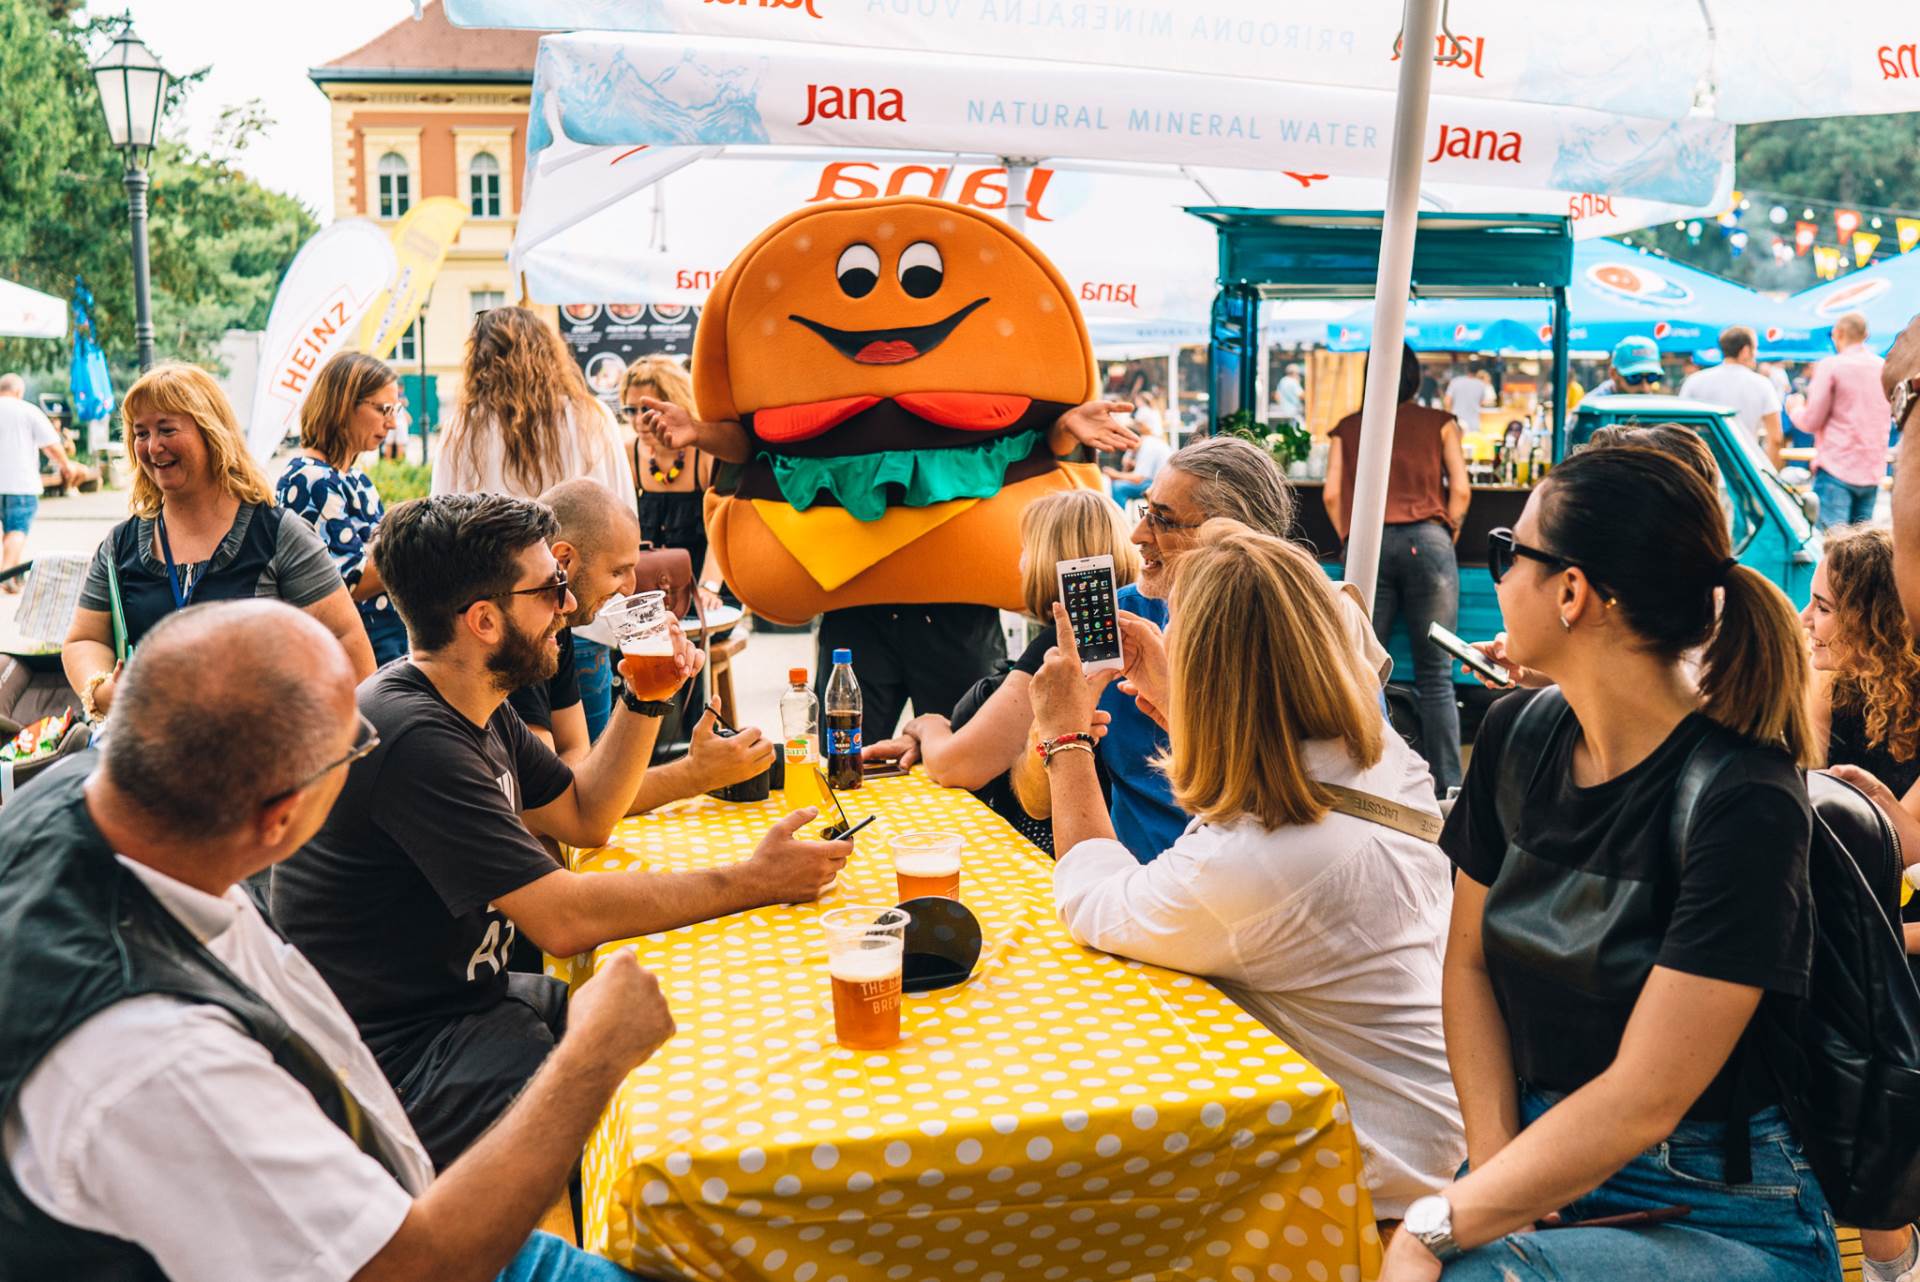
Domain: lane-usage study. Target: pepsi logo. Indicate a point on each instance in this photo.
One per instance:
(1773, 333)
(1637, 284)
(1661, 329)
(1546, 332)
(1459, 331)
(1850, 296)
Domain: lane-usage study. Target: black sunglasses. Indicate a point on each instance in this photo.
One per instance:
(1503, 550)
(367, 740)
(557, 588)
(1640, 380)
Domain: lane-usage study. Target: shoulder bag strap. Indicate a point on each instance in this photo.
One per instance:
(118, 609)
(1521, 755)
(1388, 814)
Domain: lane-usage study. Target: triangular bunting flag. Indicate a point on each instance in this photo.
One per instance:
(1864, 243)
(1909, 231)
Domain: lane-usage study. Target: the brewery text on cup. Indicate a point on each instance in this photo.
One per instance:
(865, 950)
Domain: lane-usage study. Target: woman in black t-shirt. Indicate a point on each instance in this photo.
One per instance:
(1599, 982)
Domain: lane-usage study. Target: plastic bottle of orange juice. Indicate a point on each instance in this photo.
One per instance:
(800, 742)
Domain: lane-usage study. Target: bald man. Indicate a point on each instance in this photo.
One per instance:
(1848, 414)
(597, 544)
(25, 434)
(176, 1079)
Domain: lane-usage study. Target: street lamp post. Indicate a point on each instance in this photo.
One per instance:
(133, 88)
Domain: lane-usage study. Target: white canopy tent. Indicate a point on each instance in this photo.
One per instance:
(1630, 98)
(28, 313)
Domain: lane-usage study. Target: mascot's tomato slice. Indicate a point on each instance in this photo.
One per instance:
(803, 422)
(968, 411)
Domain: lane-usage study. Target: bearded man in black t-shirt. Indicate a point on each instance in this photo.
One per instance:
(409, 899)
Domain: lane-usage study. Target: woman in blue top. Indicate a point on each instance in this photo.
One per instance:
(349, 411)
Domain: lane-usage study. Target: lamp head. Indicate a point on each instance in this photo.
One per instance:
(133, 89)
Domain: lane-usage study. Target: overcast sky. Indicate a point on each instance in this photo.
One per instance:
(262, 49)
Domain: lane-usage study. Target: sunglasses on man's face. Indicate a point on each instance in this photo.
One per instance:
(557, 588)
(1504, 552)
(1640, 380)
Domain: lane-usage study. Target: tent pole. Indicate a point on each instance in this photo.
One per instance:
(1391, 286)
(1019, 169)
(1264, 379)
(1173, 397)
(1561, 325)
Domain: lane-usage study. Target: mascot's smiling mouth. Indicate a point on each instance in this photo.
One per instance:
(890, 346)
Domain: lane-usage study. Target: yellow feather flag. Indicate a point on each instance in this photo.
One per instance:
(1864, 243)
(1909, 231)
(1826, 262)
(421, 240)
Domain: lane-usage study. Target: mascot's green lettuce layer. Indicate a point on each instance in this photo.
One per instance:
(857, 481)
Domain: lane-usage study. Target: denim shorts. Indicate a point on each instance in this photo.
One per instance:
(17, 512)
(1775, 1228)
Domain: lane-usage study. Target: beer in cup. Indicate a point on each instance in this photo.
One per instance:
(865, 948)
(646, 644)
(927, 863)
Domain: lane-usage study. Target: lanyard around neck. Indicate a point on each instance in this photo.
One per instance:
(182, 596)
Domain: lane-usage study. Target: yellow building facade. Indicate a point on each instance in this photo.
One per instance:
(430, 109)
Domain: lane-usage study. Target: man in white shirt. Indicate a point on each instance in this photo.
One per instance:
(1144, 463)
(183, 1097)
(1737, 383)
(25, 434)
(1467, 395)
(1290, 396)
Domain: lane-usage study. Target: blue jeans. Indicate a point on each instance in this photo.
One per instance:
(1777, 1228)
(386, 634)
(593, 663)
(1842, 503)
(17, 511)
(1420, 581)
(1124, 492)
(545, 1258)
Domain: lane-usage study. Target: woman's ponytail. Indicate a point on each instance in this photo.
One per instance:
(1754, 678)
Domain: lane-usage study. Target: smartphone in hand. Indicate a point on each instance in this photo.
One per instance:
(1087, 591)
(1472, 658)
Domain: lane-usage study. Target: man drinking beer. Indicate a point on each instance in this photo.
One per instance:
(409, 899)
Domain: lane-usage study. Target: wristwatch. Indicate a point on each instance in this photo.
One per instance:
(645, 707)
(1430, 1220)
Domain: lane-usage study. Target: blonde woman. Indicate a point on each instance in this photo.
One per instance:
(1059, 527)
(351, 408)
(528, 422)
(1327, 926)
(669, 488)
(204, 528)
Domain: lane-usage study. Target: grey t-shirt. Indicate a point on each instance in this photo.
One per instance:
(300, 572)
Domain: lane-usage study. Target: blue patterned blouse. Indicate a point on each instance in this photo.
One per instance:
(344, 507)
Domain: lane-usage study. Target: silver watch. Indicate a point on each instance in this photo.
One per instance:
(1430, 1219)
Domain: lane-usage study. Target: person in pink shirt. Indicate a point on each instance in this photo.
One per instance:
(1851, 420)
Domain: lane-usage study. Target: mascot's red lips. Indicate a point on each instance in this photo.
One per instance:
(890, 346)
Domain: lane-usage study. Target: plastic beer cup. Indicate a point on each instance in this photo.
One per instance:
(865, 948)
(641, 624)
(927, 863)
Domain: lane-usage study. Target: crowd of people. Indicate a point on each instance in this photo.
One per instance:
(275, 1005)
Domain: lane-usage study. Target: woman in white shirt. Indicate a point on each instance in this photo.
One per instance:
(526, 423)
(1327, 927)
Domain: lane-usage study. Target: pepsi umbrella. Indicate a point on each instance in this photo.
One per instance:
(1883, 293)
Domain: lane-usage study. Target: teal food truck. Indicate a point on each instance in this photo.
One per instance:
(1267, 254)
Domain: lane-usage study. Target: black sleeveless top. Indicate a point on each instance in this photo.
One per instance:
(231, 574)
(673, 519)
(1847, 746)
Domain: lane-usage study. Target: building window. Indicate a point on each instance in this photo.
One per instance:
(483, 186)
(395, 196)
(485, 300)
(408, 348)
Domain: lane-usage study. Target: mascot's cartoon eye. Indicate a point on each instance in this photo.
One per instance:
(858, 270)
(921, 270)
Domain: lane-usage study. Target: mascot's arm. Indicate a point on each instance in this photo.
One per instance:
(672, 428)
(1094, 426)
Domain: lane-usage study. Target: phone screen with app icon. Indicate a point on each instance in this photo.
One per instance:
(1088, 596)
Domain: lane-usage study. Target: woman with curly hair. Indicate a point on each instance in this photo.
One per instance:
(526, 423)
(1866, 691)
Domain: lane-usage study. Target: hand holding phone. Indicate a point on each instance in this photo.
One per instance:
(1087, 591)
(1474, 661)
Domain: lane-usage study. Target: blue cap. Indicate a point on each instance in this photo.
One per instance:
(843, 656)
(1636, 355)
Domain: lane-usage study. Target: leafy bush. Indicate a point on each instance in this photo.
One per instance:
(398, 481)
(1288, 443)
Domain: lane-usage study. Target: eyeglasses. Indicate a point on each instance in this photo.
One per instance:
(367, 740)
(1503, 550)
(1640, 380)
(1164, 524)
(558, 589)
(386, 409)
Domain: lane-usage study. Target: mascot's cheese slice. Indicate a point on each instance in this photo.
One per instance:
(834, 546)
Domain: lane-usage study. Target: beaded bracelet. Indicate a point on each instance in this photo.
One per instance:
(1047, 747)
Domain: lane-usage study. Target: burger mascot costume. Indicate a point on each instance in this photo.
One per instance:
(898, 378)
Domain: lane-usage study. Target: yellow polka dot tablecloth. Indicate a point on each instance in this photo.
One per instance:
(1063, 1115)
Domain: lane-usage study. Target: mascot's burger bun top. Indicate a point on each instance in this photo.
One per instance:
(885, 297)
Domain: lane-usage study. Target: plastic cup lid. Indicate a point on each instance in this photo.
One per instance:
(942, 944)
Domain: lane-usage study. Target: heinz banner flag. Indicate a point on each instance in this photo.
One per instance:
(420, 243)
(333, 281)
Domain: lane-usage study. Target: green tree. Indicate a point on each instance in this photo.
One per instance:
(219, 243)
